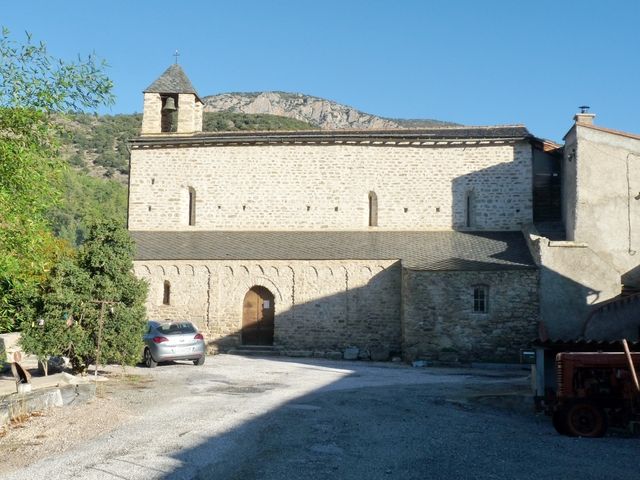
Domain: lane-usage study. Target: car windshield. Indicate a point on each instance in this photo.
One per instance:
(175, 328)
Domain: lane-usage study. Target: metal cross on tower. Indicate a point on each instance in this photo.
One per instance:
(177, 54)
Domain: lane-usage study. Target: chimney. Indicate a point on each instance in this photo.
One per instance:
(584, 116)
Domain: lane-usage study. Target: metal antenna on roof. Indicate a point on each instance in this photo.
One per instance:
(177, 54)
(583, 108)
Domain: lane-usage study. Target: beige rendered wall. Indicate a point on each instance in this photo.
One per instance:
(327, 187)
(573, 279)
(607, 207)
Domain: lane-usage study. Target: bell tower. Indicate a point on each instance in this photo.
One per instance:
(171, 105)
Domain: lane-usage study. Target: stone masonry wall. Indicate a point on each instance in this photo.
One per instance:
(197, 116)
(186, 113)
(152, 117)
(327, 187)
(321, 307)
(439, 322)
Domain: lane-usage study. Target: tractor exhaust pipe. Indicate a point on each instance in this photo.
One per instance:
(631, 366)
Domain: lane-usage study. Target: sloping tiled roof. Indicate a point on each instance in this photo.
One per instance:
(398, 137)
(173, 80)
(436, 250)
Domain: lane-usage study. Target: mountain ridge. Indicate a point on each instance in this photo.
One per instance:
(317, 111)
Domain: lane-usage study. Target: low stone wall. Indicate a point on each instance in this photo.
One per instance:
(18, 405)
(439, 322)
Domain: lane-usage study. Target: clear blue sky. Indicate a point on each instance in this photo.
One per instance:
(473, 62)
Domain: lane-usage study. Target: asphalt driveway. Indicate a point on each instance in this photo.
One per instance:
(249, 418)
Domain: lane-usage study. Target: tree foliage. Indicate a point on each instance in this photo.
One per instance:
(84, 200)
(66, 317)
(33, 84)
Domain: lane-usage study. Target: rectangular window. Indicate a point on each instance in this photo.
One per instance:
(480, 299)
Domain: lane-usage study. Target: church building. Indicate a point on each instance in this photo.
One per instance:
(367, 243)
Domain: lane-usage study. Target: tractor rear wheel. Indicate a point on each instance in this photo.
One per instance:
(586, 419)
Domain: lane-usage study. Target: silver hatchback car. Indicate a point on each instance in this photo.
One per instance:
(172, 340)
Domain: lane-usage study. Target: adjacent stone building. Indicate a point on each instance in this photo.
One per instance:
(396, 242)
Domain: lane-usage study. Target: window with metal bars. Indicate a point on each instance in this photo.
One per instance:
(480, 299)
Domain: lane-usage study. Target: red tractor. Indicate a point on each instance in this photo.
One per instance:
(595, 390)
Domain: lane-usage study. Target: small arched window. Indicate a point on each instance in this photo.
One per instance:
(373, 209)
(192, 206)
(166, 294)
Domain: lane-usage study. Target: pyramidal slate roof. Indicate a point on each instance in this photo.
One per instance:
(419, 250)
(173, 80)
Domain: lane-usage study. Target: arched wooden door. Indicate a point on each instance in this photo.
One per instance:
(257, 317)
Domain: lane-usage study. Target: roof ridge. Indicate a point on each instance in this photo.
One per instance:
(610, 130)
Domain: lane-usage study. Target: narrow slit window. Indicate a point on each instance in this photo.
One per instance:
(192, 206)
(469, 210)
(166, 294)
(480, 299)
(373, 209)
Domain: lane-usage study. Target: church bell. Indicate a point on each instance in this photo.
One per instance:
(169, 105)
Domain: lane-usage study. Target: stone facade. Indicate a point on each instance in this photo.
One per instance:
(320, 306)
(462, 178)
(439, 322)
(327, 187)
(323, 307)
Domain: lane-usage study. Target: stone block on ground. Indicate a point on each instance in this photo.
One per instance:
(448, 356)
(78, 393)
(54, 365)
(351, 353)
(299, 353)
(379, 353)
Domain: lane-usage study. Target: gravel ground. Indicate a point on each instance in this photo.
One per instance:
(247, 418)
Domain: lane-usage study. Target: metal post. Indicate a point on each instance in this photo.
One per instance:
(100, 324)
(631, 366)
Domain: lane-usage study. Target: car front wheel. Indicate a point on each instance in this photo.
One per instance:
(148, 359)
